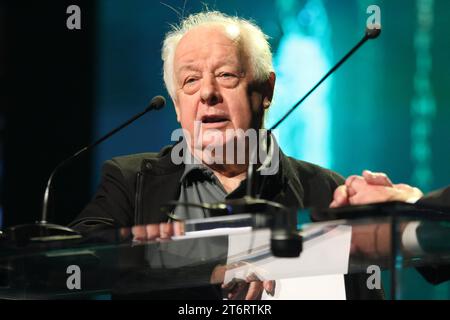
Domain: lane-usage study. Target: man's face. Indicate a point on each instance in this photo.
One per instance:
(215, 87)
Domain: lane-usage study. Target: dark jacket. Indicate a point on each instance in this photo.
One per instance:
(440, 200)
(134, 187)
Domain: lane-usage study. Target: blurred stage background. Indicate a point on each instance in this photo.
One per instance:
(386, 109)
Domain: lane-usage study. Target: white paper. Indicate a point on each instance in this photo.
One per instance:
(212, 232)
(329, 287)
(324, 254)
(316, 274)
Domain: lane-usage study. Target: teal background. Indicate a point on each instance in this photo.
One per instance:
(364, 117)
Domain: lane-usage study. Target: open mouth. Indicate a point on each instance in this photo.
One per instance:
(214, 119)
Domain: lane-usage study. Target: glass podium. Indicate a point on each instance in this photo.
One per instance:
(366, 240)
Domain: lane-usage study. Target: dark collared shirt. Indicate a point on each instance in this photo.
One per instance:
(200, 185)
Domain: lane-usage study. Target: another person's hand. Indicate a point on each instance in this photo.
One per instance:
(371, 241)
(372, 188)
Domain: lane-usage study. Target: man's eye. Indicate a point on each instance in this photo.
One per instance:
(190, 80)
(226, 75)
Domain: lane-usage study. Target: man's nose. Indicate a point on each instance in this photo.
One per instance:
(209, 91)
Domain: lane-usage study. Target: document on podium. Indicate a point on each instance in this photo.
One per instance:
(316, 274)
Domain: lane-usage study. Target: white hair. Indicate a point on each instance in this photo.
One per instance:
(248, 35)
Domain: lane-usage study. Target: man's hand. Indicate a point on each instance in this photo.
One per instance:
(238, 289)
(251, 289)
(372, 188)
(162, 231)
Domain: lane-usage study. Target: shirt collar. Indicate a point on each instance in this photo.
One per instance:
(192, 164)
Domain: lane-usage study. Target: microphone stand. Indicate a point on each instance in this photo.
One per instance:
(285, 241)
(43, 231)
(370, 34)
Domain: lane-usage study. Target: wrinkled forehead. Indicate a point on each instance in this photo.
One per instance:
(201, 39)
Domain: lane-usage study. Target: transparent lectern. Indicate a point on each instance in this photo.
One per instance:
(367, 240)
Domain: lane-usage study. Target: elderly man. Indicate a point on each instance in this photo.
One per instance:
(218, 71)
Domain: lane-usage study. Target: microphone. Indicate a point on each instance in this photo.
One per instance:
(369, 35)
(285, 241)
(44, 231)
(374, 32)
(155, 104)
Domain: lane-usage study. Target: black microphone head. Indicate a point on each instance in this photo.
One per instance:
(374, 31)
(286, 245)
(157, 103)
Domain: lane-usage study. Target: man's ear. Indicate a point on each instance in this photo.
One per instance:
(268, 90)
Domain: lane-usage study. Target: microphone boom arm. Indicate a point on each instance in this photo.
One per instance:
(154, 104)
(370, 34)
